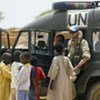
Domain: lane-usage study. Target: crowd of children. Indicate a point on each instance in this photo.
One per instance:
(20, 79)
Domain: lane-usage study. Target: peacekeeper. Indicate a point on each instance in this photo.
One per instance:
(78, 49)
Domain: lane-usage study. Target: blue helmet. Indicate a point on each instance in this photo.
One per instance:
(73, 28)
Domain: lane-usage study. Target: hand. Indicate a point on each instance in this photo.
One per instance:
(73, 76)
(75, 69)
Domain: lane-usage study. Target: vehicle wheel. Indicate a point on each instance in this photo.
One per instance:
(94, 92)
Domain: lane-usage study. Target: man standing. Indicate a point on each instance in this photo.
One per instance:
(78, 48)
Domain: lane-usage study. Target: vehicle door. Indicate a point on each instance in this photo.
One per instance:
(42, 47)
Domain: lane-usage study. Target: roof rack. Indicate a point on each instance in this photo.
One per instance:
(75, 5)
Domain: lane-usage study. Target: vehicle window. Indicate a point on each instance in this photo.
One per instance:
(23, 41)
(96, 41)
(39, 42)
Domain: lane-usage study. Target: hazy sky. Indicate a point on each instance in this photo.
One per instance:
(18, 13)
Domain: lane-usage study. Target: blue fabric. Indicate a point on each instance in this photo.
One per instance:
(31, 88)
(74, 28)
(32, 75)
(23, 95)
(62, 6)
(32, 95)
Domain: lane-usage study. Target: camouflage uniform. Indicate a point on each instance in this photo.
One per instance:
(77, 50)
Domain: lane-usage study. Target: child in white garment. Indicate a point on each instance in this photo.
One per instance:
(16, 63)
(24, 77)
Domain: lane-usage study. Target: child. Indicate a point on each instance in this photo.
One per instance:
(14, 73)
(39, 75)
(2, 51)
(24, 77)
(59, 73)
(5, 76)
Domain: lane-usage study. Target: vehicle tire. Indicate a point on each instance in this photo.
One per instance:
(94, 92)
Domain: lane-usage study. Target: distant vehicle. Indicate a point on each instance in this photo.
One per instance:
(38, 38)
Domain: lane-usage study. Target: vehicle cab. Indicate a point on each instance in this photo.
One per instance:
(38, 38)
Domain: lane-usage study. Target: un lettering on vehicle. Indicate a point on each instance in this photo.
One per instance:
(77, 18)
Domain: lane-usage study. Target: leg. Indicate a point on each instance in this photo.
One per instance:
(32, 95)
(20, 95)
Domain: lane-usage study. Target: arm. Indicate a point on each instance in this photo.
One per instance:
(72, 75)
(43, 77)
(86, 55)
(82, 62)
(6, 71)
(70, 67)
(51, 84)
(53, 71)
(42, 74)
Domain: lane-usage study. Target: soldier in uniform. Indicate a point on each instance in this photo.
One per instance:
(78, 48)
